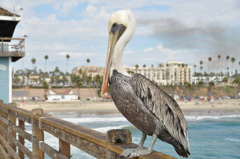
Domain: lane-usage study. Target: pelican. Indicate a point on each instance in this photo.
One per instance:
(139, 100)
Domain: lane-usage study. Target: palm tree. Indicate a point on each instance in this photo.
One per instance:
(233, 60)
(88, 61)
(46, 57)
(225, 80)
(201, 62)
(239, 67)
(80, 72)
(67, 56)
(33, 62)
(79, 85)
(227, 57)
(98, 80)
(219, 56)
(136, 66)
(194, 69)
(236, 82)
(167, 72)
(188, 86)
(45, 87)
(200, 83)
(201, 68)
(211, 84)
(209, 59)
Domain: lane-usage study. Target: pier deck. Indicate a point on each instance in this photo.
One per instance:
(13, 135)
(1, 156)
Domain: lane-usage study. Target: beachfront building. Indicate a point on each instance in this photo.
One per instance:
(88, 70)
(167, 73)
(216, 79)
(61, 95)
(11, 50)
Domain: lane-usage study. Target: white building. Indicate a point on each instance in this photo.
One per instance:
(61, 96)
(169, 73)
(89, 70)
(216, 79)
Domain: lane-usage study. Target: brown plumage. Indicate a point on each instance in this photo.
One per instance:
(150, 109)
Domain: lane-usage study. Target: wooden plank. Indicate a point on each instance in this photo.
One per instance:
(21, 126)
(5, 38)
(37, 133)
(51, 152)
(64, 148)
(21, 114)
(85, 145)
(16, 110)
(5, 121)
(74, 129)
(3, 153)
(10, 151)
(11, 132)
(21, 132)
(3, 107)
(4, 129)
(20, 146)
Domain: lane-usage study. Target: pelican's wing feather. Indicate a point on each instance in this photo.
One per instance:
(164, 107)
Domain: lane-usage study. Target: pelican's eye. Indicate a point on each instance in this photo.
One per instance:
(114, 25)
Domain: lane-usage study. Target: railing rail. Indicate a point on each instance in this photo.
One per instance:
(97, 144)
(16, 45)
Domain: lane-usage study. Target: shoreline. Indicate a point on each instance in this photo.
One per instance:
(90, 107)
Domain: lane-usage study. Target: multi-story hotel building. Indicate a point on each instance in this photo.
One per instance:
(167, 73)
(89, 70)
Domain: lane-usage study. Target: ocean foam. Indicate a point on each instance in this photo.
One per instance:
(234, 140)
(215, 117)
(105, 129)
(92, 120)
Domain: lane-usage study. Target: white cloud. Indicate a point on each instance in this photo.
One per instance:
(51, 35)
(148, 49)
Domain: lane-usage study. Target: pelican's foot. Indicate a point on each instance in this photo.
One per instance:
(135, 152)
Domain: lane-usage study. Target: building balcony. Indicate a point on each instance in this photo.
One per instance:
(15, 48)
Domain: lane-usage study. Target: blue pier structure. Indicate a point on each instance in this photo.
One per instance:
(11, 50)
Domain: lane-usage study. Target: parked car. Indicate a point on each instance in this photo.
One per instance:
(226, 97)
(201, 97)
(197, 97)
(233, 97)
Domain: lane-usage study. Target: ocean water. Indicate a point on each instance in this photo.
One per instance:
(211, 135)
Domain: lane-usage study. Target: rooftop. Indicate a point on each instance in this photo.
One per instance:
(4, 12)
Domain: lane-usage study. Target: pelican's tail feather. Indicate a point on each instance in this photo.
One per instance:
(181, 151)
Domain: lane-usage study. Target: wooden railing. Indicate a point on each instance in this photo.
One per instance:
(15, 48)
(99, 145)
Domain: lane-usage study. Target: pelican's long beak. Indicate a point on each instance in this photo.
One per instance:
(114, 35)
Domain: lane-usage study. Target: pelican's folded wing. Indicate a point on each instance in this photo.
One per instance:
(164, 107)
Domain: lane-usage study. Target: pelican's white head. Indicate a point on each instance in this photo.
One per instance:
(121, 27)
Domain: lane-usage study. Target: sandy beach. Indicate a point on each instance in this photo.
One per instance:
(230, 106)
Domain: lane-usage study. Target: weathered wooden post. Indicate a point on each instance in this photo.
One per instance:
(2, 124)
(4, 115)
(64, 148)
(117, 136)
(21, 125)
(37, 133)
(11, 122)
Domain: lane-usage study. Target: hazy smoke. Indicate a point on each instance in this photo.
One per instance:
(210, 39)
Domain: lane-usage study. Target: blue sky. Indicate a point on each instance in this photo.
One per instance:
(182, 30)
